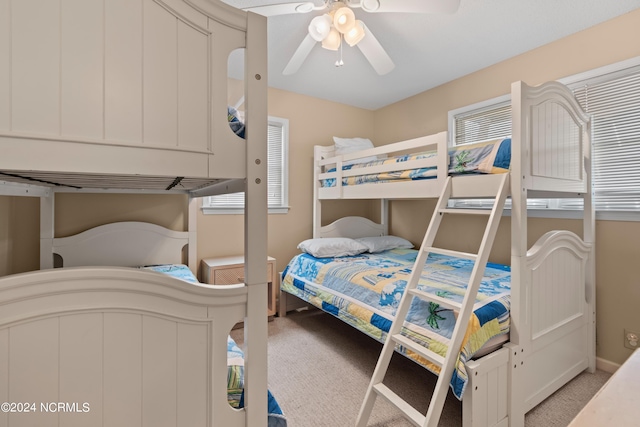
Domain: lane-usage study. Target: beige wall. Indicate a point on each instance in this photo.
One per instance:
(617, 251)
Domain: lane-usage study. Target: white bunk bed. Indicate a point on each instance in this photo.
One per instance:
(123, 344)
(552, 299)
(128, 97)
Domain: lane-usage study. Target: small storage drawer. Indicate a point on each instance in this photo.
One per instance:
(233, 275)
(228, 276)
(230, 270)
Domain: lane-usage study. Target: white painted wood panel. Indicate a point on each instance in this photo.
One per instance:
(185, 11)
(33, 358)
(556, 147)
(35, 60)
(192, 394)
(159, 370)
(123, 70)
(193, 108)
(226, 145)
(5, 66)
(160, 76)
(492, 393)
(81, 359)
(122, 370)
(559, 291)
(82, 57)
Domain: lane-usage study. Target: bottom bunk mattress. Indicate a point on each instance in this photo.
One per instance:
(365, 290)
(235, 357)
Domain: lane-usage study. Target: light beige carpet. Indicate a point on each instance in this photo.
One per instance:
(319, 369)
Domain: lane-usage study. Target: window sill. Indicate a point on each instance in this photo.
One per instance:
(232, 211)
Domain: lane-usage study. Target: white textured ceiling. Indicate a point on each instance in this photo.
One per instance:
(427, 49)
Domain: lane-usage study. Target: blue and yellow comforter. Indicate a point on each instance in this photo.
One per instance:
(365, 290)
(235, 357)
(487, 157)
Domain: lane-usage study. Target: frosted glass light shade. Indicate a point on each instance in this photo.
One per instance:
(370, 5)
(332, 41)
(355, 34)
(320, 27)
(344, 19)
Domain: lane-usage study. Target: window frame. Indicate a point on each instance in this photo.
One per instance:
(283, 207)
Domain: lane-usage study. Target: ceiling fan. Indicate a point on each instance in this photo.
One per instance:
(338, 24)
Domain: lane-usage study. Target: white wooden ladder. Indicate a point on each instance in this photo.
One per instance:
(465, 309)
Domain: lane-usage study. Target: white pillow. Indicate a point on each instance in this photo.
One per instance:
(351, 145)
(384, 243)
(332, 247)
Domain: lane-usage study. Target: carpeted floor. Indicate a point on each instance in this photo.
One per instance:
(319, 369)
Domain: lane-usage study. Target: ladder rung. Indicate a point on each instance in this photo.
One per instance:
(444, 302)
(431, 356)
(465, 211)
(456, 254)
(415, 417)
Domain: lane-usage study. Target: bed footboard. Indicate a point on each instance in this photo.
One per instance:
(552, 320)
(117, 346)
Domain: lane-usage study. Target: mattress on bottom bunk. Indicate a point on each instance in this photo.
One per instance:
(365, 290)
(487, 157)
(235, 357)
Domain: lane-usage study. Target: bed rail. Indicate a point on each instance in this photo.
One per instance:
(325, 160)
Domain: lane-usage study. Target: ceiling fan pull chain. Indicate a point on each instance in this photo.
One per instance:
(340, 63)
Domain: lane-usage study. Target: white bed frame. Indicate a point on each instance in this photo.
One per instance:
(128, 97)
(126, 346)
(552, 335)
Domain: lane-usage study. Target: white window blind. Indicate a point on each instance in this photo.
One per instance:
(277, 179)
(614, 103)
(482, 124)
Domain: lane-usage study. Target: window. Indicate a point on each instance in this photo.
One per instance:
(277, 176)
(611, 95)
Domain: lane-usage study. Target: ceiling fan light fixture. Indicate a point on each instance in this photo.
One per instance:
(332, 41)
(344, 19)
(355, 34)
(320, 27)
(370, 5)
(304, 7)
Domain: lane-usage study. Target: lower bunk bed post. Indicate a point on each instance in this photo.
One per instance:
(255, 224)
(485, 401)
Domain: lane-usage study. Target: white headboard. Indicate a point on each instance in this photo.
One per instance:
(353, 227)
(124, 244)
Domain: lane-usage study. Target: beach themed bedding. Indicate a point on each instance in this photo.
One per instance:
(235, 357)
(364, 291)
(487, 157)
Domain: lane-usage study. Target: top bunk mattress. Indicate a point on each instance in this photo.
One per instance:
(365, 290)
(486, 157)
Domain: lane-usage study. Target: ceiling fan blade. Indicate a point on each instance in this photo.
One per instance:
(285, 8)
(408, 6)
(299, 55)
(375, 53)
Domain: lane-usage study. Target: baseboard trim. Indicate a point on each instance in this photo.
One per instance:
(606, 365)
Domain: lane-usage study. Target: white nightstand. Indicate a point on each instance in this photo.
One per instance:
(229, 270)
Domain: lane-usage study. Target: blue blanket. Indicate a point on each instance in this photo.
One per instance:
(365, 290)
(487, 157)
